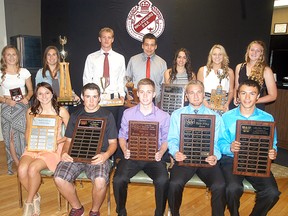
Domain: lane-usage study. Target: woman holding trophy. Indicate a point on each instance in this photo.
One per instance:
(50, 72)
(218, 80)
(32, 162)
(14, 82)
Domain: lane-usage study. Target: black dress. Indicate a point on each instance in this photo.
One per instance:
(243, 76)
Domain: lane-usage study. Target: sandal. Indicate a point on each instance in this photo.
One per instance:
(36, 203)
(28, 209)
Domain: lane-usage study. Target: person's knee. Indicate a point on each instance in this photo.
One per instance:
(218, 186)
(119, 179)
(59, 182)
(100, 184)
(271, 194)
(176, 184)
(234, 189)
(22, 171)
(33, 170)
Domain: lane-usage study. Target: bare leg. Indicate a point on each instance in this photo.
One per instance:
(34, 177)
(98, 193)
(68, 190)
(13, 151)
(29, 175)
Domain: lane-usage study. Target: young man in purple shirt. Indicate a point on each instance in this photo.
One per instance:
(127, 168)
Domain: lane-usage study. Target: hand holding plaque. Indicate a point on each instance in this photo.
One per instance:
(256, 138)
(197, 139)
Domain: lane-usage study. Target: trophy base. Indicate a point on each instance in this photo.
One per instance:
(130, 103)
(68, 102)
(111, 102)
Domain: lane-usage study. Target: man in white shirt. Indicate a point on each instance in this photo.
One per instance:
(94, 70)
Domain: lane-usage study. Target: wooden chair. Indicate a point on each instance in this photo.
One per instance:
(46, 173)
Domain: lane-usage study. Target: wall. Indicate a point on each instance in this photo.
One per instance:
(23, 17)
(280, 15)
(196, 25)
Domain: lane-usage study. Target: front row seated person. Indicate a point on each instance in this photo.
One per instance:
(127, 168)
(180, 175)
(267, 193)
(99, 168)
(32, 162)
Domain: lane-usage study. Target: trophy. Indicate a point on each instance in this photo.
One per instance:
(65, 97)
(218, 96)
(131, 96)
(108, 99)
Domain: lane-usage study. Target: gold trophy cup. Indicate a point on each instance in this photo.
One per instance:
(65, 97)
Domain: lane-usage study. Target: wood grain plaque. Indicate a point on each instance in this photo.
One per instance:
(172, 97)
(197, 139)
(42, 132)
(87, 138)
(256, 138)
(143, 140)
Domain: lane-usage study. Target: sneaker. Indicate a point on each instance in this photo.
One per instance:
(28, 209)
(77, 212)
(36, 203)
(91, 213)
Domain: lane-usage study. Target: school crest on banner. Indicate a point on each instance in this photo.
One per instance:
(144, 18)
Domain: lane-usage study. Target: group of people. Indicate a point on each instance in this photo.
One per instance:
(148, 72)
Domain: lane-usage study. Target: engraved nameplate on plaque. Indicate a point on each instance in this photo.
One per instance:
(218, 98)
(256, 138)
(172, 97)
(197, 139)
(42, 132)
(87, 138)
(143, 140)
(16, 94)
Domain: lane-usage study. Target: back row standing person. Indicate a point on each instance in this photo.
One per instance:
(148, 65)
(217, 72)
(94, 70)
(256, 68)
(181, 70)
(50, 73)
(13, 113)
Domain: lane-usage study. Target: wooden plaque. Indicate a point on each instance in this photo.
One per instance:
(172, 97)
(16, 94)
(197, 139)
(42, 132)
(143, 140)
(87, 138)
(256, 138)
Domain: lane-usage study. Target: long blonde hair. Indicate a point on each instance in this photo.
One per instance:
(224, 63)
(257, 71)
(4, 64)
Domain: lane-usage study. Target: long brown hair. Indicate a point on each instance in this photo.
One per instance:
(257, 71)
(4, 64)
(45, 64)
(188, 66)
(36, 105)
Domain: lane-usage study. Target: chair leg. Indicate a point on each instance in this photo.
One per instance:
(20, 193)
(59, 201)
(108, 199)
